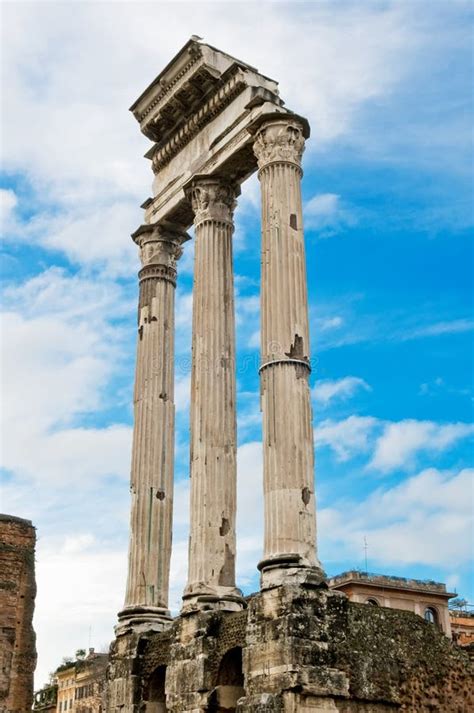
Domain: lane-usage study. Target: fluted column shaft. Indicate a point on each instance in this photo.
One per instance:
(146, 602)
(288, 451)
(211, 575)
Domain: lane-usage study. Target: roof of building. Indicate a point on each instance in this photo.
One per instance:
(389, 582)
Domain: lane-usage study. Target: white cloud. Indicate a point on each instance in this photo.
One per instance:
(96, 237)
(249, 510)
(454, 326)
(326, 323)
(8, 203)
(83, 150)
(346, 438)
(425, 519)
(79, 593)
(70, 455)
(182, 391)
(59, 354)
(401, 442)
(326, 214)
(393, 445)
(325, 390)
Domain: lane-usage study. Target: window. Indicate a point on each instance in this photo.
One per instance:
(372, 602)
(430, 615)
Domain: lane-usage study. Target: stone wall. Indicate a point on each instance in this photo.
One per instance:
(17, 600)
(398, 657)
(301, 649)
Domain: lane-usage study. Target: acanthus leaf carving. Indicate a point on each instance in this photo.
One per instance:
(159, 246)
(212, 199)
(279, 140)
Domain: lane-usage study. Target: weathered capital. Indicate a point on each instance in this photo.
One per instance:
(160, 244)
(279, 140)
(212, 198)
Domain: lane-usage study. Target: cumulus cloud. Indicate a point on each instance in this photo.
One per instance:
(59, 354)
(346, 438)
(401, 442)
(83, 149)
(425, 519)
(325, 390)
(393, 445)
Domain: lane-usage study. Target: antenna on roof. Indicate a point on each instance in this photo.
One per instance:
(366, 547)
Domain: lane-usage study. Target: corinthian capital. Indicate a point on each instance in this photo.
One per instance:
(212, 198)
(279, 140)
(160, 244)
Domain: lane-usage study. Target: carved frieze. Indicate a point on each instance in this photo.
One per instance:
(223, 95)
(280, 140)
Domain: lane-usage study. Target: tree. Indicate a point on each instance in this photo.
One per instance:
(458, 603)
(80, 654)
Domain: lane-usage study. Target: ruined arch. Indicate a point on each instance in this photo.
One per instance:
(229, 683)
(156, 694)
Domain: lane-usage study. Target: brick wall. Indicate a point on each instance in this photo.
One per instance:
(17, 600)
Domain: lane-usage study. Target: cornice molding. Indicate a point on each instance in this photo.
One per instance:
(223, 96)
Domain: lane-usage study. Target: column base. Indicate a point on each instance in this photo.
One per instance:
(289, 568)
(143, 618)
(199, 598)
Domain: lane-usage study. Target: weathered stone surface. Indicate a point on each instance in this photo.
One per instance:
(197, 112)
(398, 657)
(211, 577)
(17, 601)
(288, 450)
(146, 599)
(302, 650)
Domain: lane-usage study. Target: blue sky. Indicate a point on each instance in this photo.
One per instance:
(387, 190)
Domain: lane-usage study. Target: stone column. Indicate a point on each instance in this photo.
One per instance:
(288, 453)
(211, 574)
(146, 602)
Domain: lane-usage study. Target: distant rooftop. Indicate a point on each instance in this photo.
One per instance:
(388, 582)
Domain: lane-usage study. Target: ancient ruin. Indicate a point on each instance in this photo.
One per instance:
(295, 645)
(17, 602)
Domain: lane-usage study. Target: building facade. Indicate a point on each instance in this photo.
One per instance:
(462, 626)
(81, 684)
(425, 598)
(66, 681)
